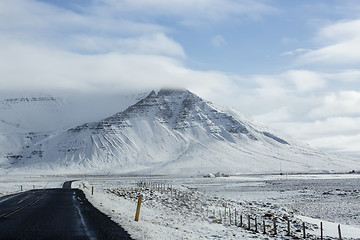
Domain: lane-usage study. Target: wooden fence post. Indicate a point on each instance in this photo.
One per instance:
(220, 216)
(274, 221)
(137, 214)
(248, 222)
(256, 227)
(241, 222)
(321, 231)
(230, 216)
(288, 228)
(235, 218)
(264, 232)
(304, 234)
(339, 230)
(92, 190)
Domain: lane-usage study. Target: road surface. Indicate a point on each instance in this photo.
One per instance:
(62, 213)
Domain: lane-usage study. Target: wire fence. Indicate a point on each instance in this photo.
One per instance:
(240, 216)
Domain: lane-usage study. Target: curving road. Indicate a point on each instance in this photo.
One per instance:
(62, 213)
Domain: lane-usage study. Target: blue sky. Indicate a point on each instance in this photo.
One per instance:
(293, 65)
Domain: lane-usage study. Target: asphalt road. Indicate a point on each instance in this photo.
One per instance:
(62, 213)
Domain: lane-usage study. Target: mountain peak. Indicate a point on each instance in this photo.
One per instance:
(172, 131)
(179, 110)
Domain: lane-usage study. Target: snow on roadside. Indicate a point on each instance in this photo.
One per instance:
(331, 229)
(187, 213)
(14, 184)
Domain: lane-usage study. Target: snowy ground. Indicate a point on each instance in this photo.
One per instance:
(187, 212)
(189, 208)
(14, 184)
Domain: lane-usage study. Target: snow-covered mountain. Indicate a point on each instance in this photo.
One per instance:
(28, 118)
(168, 132)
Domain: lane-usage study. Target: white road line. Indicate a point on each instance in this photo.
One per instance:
(36, 200)
(82, 220)
(7, 214)
(10, 197)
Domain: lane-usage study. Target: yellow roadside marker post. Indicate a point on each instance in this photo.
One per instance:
(138, 208)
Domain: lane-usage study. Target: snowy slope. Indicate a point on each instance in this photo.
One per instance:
(175, 132)
(28, 118)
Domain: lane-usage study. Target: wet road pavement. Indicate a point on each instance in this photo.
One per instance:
(62, 213)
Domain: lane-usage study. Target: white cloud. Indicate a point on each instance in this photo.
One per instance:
(273, 98)
(45, 25)
(298, 51)
(271, 86)
(297, 103)
(157, 43)
(154, 44)
(343, 103)
(190, 12)
(281, 114)
(218, 41)
(343, 144)
(305, 80)
(343, 54)
(108, 44)
(297, 80)
(342, 45)
(322, 128)
(32, 17)
(334, 134)
(351, 75)
(29, 67)
(340, 32)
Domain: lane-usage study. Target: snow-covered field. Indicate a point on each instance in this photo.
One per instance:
(190, 208)
(10, 184)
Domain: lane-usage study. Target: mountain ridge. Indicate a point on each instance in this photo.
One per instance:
(175, 132)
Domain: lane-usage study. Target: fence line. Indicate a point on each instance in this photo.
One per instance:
(233, 217)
